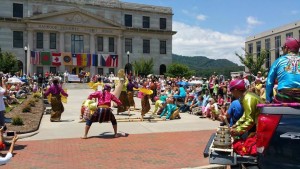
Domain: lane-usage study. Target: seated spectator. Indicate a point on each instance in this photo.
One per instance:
(187, 104)
(220, 100)
(234, 113)
(6, 159)
(198, 102)
(21, 94)
(211, 109)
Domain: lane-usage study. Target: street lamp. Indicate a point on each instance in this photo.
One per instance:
(128, 69)
(25, 49)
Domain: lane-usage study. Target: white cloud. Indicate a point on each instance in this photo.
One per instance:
(253, 21)
(196, 41)
(201, 17)
(251, 24)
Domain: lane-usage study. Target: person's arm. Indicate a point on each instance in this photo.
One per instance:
(63, 92)
(6, 159)
(115, 99)
(270, 81)
(93, 95)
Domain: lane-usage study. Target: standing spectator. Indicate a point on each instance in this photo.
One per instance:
(6, 159)
(2, 105)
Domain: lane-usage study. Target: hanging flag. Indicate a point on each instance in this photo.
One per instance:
(114, 62)
(83, 59)
(79, 59)
(99, 60)
(108, 61)
(95, 60)
(46, 58)
(104, 58)
(74, 59)
(56, 61)
(89, 60)
(32, 57)
(67, 58)
(37, 58)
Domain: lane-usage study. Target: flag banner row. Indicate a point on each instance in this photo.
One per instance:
(75, 59)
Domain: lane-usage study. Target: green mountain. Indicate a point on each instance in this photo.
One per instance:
(205, 67)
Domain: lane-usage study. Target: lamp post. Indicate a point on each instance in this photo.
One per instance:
(25, 50)
(128, 67)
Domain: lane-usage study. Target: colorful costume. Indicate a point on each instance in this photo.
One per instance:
(171, 110)
(286, 70)
(145, 104)
(251, 112)
(124, 99)
(182, 94)
(104, 112)
(56, 103)
(130, 94)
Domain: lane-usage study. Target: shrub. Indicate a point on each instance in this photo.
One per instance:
(37, 95)
(31, 103)
(36, 100)
(26, 109)
(17, 121)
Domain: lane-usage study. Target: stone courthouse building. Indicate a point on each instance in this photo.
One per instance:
(100, 36)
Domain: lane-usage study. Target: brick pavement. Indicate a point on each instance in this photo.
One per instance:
(154, 150)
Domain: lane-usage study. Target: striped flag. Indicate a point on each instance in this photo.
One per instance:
(83, 59)
(74, 59)
(114, 62)
(95, 60)
(99, 59)
(79, 59)
(56, 61)
(89, 60)
(34, 57)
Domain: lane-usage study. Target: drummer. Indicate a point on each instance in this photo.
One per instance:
(104, 112)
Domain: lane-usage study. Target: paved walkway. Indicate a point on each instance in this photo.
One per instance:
(161, 144)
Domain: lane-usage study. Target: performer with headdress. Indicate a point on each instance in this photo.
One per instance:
(103, 112)
(249, 100)
(57, 107)
(146, 93)
(286, 69)
(123, 95)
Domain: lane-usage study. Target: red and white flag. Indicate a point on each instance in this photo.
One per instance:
(56, 59)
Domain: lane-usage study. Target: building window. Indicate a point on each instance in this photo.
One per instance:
(111, 42)
(53, 70)
(39, 40)
(52, 40)
(163, 47)
(100, 43)
(17, 10)
(111, 70)
(146, 22)
(128, 45)
(146, 46)
(18, 39)
(289, 35)
(128, 20)
(100, 71)
(267, 48)
(277, 46)
(162, 23)
(250, 48)
(77, 44)
(258, 48)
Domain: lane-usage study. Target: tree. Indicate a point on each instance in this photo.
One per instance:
(8, 62)
(143, 67)
(177, 69)
(254, 64)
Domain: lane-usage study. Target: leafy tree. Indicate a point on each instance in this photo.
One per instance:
(254, 64)
(8, 62)
(177, 69)
(143, 67)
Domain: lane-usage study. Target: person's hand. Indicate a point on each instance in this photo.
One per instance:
(2, 129)
(16, 137)
(233, 132)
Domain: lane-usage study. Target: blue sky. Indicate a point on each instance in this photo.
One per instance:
(218, 28)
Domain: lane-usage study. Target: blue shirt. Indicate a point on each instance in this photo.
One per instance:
(235, 112)
(286, 70)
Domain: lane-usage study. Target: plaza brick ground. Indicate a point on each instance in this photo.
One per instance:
(154, 150)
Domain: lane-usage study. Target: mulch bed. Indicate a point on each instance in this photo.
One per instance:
(30, 119)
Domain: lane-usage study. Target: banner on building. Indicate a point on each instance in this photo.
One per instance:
(83, 59)
(114, 61)
(56, 61)
(67, 58)
(89, 60)
(79, 59)
(46, 58)
(95, 60)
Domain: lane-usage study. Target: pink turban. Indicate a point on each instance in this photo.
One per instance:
(292, 44)
(238, 84)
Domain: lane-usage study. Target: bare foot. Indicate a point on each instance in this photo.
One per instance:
(84, 137)
(117, 135)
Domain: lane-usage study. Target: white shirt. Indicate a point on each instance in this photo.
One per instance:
(4, 160)
(2, 105)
